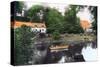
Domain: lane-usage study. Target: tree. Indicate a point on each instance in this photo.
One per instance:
(56, 35)
(17, 7)
(22, 45)
(34, 11)
(51, 17)
(93, 10)
(72, 22)
(53, 20)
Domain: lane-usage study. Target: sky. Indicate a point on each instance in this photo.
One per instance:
(83, 15)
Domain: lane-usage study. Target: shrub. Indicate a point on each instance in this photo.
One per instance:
(56, 35)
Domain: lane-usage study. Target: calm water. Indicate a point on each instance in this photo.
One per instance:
(77, 53)
(62, 60)
(88, 52)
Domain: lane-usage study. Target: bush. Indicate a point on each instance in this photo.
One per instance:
(22, 45)
(56, 35)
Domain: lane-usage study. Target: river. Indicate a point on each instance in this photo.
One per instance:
(88, 52)
(82, 52)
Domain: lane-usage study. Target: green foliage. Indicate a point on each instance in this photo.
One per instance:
(52, 17)
(72, 23)
(94, 13)
(19, 18)
(22, 45)
(54, 21)
(32, 12)
(56, 35)
(18, 6)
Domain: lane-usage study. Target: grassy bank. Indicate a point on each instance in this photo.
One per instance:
(78, 37)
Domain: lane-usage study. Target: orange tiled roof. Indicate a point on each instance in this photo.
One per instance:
(17, 24)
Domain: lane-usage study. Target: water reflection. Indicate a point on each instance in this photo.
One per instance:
(89, 52)
(83, 52)
(62, 60)
(75, 53)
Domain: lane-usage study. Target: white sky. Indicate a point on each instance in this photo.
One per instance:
(83, 15)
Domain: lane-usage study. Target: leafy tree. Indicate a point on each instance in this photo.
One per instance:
(22, 45)
(16, 7)
(93, 10)
(54, 20)
(51, 17)
(72, 22)
(56, 35)
(33, 12)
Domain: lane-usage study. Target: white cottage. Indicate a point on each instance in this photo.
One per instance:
(39, 27)
(35, 26)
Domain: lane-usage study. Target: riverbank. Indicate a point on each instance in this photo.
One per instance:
(79, 37)
(71, 38)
